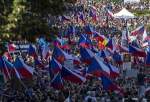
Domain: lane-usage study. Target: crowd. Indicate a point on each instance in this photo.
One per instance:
(39, 89)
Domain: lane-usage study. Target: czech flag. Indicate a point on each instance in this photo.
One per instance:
(148, 59)
(57, 82)
(117, 58)
(110, 44)
(86, 55)
(114, 71)
(138, 31)
(32, 51)
(72, 76)
(85, 42)
(8, 68)
(98, 68)
(24, 70)
(11, 47)
(59, 54)
(46, 52)
(109, 85)
(5, 68)
(136, 51)
(55, 66)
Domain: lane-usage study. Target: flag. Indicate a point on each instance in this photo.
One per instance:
(111, 44)
(117, 57)
(8, 56)
(61, 55)
(32, 51)
(45, 52)
(8, 68)
(57, 82)
(114, 71)
(147, 62)
(136, 51)
(11, 47)
(109, 85)
(72, 76)
(4, 68)
(138, 31)
(98, 68)
(99, 37)
(58, 54)
(85, 42)
(55, 66)
(24, 70)
(86, 55)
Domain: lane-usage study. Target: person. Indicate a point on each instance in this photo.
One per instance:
(91, 97)
(141, 85)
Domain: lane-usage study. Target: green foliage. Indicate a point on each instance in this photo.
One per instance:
(145, 12)
(27, 18)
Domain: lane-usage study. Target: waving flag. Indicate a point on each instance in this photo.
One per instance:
(55, 66)
(104, 54)
(32, 51)
(24, 70)
(57, 82)
(117, 58)
(45, 52)
(101, 38)
(11, 47)
(136, 51)
(86, 55)
(148, 59)
(111, 44)
(98, 68)
(4, 68)
(138, 31)
(71, 76)
(114, 71)
(8, 56)
(8, 68)
(109, 85)
(85, 42)
(61, 55)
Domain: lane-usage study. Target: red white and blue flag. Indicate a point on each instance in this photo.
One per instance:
(57, 82)
(138, 31)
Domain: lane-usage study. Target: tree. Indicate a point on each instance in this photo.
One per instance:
(28, 18)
